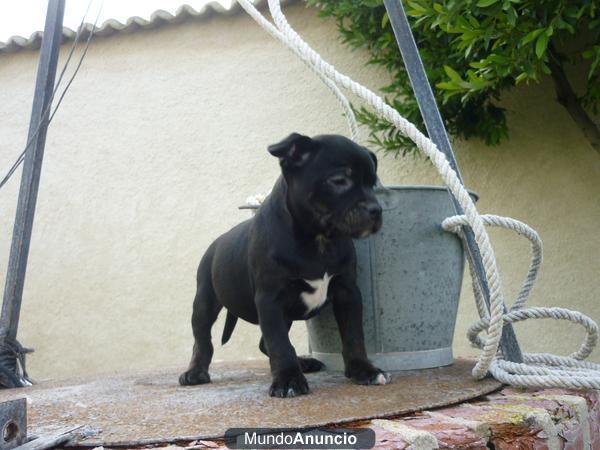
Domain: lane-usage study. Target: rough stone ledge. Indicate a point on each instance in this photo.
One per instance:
(538, 419)
(553, 419)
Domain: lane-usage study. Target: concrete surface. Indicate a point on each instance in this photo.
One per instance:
(537, 419)
(164, 133)
(509, 419)
(152, 407)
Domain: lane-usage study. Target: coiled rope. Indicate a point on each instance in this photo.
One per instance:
(538, 369)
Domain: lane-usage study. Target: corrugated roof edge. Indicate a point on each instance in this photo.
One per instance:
(157, 18)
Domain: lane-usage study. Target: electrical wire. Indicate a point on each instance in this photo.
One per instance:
(30, 141)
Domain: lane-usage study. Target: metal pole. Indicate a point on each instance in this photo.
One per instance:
(19, 251)
(437, 133)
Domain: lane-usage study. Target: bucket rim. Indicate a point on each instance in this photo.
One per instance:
(416, 187)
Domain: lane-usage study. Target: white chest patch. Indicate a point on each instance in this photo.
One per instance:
(314, 299)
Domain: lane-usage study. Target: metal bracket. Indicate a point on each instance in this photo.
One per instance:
(13, 423)
(30, 180)
(437, 133)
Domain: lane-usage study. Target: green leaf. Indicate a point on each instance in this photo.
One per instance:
(473, 21)
(511, 16)
(448, 86)
(486, 3)
(531, 36)
(521, 77)
(417, 7)
(453, 74)
(479, 65)
(541, 45)
(372, 3)
(385, 20)
(546, 69)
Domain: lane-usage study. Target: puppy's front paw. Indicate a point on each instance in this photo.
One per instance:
(288, 384)
(363, 372)
(192, 377)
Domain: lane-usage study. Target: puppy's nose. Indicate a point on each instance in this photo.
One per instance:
(374, 210)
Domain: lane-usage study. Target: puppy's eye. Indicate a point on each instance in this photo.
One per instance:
(340, 182)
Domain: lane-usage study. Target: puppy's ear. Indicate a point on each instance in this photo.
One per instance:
(374, 158)
(294, 151)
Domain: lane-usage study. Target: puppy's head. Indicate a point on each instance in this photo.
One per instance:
(330, 183)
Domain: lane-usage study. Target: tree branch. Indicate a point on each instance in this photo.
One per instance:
(565, 95)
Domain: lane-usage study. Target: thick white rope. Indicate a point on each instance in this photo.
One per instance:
(269, 28)
(537, 369)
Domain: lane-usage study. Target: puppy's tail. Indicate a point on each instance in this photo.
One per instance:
(230, 322)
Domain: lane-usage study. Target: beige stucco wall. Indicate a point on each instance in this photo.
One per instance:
(163, 135)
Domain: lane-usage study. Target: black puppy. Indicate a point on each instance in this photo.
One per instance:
(291, 258)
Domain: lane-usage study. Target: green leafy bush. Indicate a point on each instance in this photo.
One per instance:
(473, 50)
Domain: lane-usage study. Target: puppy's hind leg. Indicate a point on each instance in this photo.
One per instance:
(310, 365)
(307, 364)
(206, 310)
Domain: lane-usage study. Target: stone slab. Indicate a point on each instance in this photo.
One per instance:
(145, 408)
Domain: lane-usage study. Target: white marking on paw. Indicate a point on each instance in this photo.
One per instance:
(381, 379)
(314, 299)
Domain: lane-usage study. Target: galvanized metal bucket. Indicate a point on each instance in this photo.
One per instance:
(410, 276)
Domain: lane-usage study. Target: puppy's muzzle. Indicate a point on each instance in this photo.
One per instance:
(375, 211)
(364, 220)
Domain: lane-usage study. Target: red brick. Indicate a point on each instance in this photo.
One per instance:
(386, 440)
